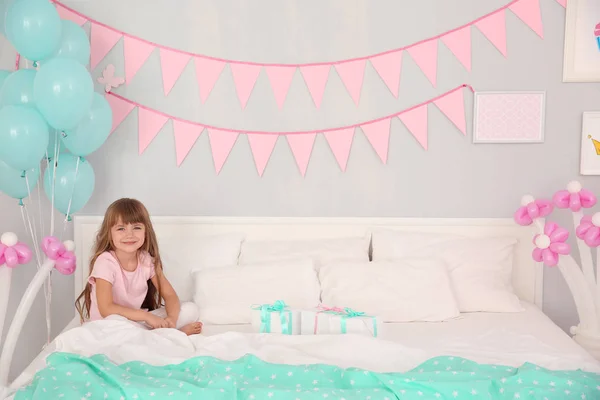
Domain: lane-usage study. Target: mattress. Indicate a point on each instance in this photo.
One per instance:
(479, 336)
(511, 339)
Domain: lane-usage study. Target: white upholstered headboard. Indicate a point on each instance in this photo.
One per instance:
(527, 274)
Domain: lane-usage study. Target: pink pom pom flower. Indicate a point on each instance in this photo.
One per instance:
(531, 209)
(551, 244)
(575, 197)
(60, 252)
(588, 230)
(13, 252)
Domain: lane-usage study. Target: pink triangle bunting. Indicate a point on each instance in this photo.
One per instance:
(172, 64)
(102, 40)
(221, 143)
(416, 122)
(149, 124)
(459, 43)
(562, 3)
(453, 107)
(186, 135)
(494, 28)
(281, 80)
(340, 142)
(530, 13)
(378, 133)
(262, 145)
(207, 74)
(389, 66)
(120, 110)
(316, 77)
(70, 15)
(302, 147)
(425, 55)
(244, 77)
(136, 54)
(352, 74)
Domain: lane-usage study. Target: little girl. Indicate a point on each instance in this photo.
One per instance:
(126, 275)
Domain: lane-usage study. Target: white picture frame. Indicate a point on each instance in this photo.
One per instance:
(581, 61)
(590, 143)
(498, 117)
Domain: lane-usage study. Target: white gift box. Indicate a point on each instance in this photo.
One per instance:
(315, 322)
(266, 319)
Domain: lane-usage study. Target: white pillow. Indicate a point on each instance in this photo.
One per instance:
(180, 257)
(321, 251)
(395, 291)
(226, 295)
(480, 268)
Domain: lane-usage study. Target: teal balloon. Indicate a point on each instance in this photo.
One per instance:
(73, 183)
(74, 43)
(63, 90)
(53, 139)
(92, 131)
(18, 88)
(34, 28)
(3, 75)
(4, 4)
(23, 137)
(14, 184)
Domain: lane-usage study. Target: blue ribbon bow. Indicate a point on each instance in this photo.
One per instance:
(285, 316)
(350, 313)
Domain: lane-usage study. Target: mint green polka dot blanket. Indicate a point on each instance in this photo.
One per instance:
(73, 377)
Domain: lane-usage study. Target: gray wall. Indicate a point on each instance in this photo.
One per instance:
(454, 178)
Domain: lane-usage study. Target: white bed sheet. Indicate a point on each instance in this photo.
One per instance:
(478, 336)
(508, 339)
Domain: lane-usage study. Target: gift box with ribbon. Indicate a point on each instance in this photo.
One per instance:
(337, 320)
(276, 318)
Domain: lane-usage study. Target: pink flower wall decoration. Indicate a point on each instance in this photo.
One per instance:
(589, 230)
(13, 252)
(531, 209)
(575, 197)
(551, 244)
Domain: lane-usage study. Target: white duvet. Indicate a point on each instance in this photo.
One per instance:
(123, 341)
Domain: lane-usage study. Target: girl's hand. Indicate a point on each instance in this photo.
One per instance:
(171, 322)
(156, 322)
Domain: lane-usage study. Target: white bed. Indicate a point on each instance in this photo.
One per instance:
(493, 338)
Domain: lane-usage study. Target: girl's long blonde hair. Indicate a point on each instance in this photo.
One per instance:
(128, 211)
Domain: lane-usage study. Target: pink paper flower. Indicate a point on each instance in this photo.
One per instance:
(588, 230)
(531, 209)
(575, 197)
(62, 253)
(551, 244)
(13, 252)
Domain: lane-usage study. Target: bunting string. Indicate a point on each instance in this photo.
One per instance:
(81, 18)
(387, 64)
(150, 122)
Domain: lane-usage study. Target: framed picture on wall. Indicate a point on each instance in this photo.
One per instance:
(582, 41)
(509, 117)
(590, 143)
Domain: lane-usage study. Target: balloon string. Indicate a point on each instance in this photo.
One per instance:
(67, 215)
(22, 206)
(32, 227)
(39, 198)
(598, 270)
(48, 295)
(17, 61)
(47, 284)
(54, 166)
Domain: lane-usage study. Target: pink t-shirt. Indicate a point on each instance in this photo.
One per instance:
(129, 289)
